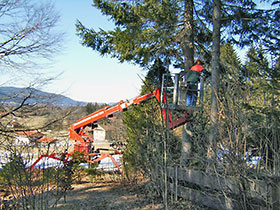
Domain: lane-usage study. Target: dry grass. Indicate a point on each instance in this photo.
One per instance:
(106, 194)
(111, 192)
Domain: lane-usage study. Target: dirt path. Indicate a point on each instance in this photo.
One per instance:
(105, 196)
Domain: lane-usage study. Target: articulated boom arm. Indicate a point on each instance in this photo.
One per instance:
(77, 133)
(83, 140)
(76, 130)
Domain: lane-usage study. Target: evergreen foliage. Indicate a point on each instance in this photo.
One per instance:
(92, 107)
(145, 130)
(145, 31)
(263, 81)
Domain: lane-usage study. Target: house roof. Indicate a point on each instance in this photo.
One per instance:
(15, 123)
(29, 133)
(46, 140)
(39, 137)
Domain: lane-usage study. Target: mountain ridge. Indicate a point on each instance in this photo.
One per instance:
(13, 95)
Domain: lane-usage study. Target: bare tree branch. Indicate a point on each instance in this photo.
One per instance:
(28, 31)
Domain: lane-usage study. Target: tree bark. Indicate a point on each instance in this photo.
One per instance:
(188, 50)
(188, 37)
(215, 78)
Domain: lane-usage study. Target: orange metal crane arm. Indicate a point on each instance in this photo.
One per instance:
(76, 130)
(105, 112)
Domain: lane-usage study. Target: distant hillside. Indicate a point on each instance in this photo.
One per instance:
(13, 96)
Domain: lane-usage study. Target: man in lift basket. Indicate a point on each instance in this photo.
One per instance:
(193, 78)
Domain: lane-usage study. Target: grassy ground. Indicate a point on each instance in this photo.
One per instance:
(113, 193)
(104, 196)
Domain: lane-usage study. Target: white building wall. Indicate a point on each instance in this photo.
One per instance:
(21, 140)
(99, 134)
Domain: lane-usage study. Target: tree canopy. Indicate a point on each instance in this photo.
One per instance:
(146, 30)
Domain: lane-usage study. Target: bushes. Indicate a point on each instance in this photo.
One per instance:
(36, 188)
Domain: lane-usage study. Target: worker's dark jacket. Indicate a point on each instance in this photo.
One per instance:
(193, 75)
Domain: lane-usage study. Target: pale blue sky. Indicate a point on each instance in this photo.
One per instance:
(86, 75)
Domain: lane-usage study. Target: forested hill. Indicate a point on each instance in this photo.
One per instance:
(14, 96)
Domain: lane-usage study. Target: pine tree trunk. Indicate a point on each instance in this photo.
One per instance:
(215, 78)
(188, 49)
(188, 39)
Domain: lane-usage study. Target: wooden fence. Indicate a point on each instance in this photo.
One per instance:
(223, 193)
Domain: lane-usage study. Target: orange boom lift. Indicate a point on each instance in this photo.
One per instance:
(84, 143)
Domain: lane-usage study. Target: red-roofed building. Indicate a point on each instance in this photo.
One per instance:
(14, 124)
(25, 137)
(46, 140)
(29, 133)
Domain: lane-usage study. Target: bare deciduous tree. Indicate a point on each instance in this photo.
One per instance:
(27, 32)
(28, 37)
